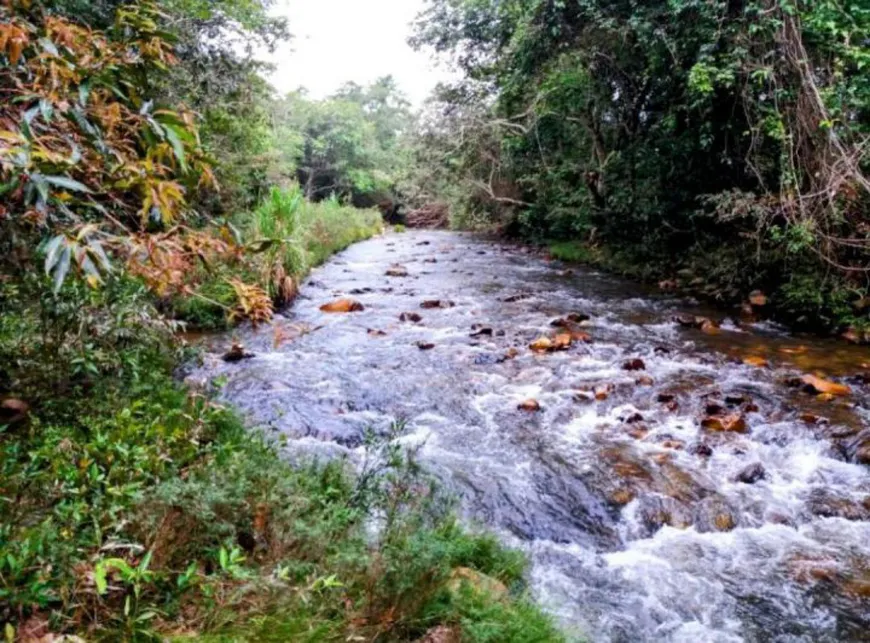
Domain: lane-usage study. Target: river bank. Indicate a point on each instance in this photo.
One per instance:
(139, 509)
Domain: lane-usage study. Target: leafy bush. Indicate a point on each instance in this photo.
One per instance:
(154, 510)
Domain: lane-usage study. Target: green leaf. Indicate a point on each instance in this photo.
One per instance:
(177, 144)
(100, 578)
(52, 252)
(67, 183)
(62, 268)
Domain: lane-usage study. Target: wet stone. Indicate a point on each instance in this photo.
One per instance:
(701, 449)
(752, 474)
(437, 303)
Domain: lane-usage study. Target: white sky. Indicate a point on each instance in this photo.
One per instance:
(335, 41)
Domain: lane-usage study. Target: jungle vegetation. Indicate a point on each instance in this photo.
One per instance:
(721, 146)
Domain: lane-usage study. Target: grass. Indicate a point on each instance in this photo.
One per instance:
(571, 251)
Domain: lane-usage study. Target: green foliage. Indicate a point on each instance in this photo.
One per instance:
(662, 130)
(348, 145)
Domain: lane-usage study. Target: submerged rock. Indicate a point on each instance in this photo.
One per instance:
(733, 423)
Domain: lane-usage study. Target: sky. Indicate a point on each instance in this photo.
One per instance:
(335, 41)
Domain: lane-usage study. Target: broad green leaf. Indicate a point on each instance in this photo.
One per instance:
(177, 145)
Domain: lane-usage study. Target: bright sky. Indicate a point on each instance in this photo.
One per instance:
(360, 40)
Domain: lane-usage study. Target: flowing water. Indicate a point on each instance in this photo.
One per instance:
(635, 517)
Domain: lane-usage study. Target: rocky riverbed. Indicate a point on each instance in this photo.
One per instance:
(673, 474)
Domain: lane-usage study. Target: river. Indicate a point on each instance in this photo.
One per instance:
(642, 522)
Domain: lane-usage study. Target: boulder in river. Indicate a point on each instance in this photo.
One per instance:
(732, 423)
(529, 405)
(752, 474)
(236, 353)
(542, 345)
(635, 364)
(437, 303)
(756, 360)
(480, 331)
(569, 319)
(344, 305)
(822, 386)
(411, 317)
(397, 270)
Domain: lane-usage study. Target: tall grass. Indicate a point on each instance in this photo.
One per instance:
(308, 233)
(285, 236)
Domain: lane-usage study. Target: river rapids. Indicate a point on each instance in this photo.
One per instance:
(641, 524)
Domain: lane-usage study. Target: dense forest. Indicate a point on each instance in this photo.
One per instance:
(152, 182)
(717, 146)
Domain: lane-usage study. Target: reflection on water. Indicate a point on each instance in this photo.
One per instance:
(673, 485)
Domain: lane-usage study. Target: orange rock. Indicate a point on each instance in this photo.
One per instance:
(529, 405)
(755, 360)
(342, 306)
(511, 353)
(734, 423)
(542, 345)
(562, 341)
(661, 458)
(638, 432)
(580, 336)
(603, 392)
(724, 522)
(644, 380)
(621, 496)
(709, 326)
(825, 387)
